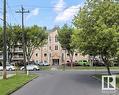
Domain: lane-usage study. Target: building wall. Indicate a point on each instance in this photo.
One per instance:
(49, 53)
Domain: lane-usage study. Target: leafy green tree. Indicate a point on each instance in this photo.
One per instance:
(14, 37)
(64, 37)
(35, 37)
(98, 29)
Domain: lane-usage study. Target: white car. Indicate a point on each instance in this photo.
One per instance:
(30, 67)
(43, 63)
(8, 67)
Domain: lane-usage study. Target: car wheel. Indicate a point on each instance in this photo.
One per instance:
(10, 69)
(34, 69)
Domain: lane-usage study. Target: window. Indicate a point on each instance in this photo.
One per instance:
(56, 47)
(0, 63)
(50, 48)
(36, 61)
(36, 54)
(45, 54)
(49, 38)
(76, 54)
(49, 55)
(56, 38)
(0, 55)
(68, 61)
(62, 56)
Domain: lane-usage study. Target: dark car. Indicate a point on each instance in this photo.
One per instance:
(98, 63)
(69, 63)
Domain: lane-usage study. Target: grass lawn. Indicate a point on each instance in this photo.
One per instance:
(13, 83)
(78, 68)
(45, 67)
(88, 68)
(117, 79)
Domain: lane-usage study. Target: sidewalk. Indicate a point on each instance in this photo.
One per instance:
(8, 75)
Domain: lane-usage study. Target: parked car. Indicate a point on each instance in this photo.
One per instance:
(9, 67)
(69, 63)
(45, 63)
(98, 63)
(84, 63)
(30, 67)
(39, 63)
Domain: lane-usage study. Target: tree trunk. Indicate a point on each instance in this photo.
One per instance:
(71, 59)
(108, 69)
(4, 74)
(107, 65)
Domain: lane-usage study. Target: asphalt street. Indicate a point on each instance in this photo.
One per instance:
(63, 83)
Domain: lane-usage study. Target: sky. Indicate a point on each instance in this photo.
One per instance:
(49, 13)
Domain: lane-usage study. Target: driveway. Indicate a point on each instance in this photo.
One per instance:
(62, 83)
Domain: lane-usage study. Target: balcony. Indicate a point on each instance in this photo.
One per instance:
(18, 50)
(1, 57)
(15, 58)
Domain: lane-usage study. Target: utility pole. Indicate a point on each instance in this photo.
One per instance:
(4, 40)
(22, 12)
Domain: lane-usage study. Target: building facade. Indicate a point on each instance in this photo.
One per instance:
(15, 56)
(53, 53)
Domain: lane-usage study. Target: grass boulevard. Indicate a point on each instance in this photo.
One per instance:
(14, 83)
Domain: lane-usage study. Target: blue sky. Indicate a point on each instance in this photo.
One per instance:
(48, 13)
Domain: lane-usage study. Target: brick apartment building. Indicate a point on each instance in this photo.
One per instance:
(53, 53)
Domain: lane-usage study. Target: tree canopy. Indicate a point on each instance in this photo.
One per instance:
(65, 39)
(98, 29)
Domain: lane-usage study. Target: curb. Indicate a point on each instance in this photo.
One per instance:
(17, 88)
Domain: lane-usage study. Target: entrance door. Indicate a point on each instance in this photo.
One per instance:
(55, 61)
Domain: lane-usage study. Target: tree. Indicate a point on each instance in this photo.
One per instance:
(13, 38)
(64, 37)
(98, 29)
(35, 37)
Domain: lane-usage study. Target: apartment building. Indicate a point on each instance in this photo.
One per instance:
(53, 53)
(16, 54)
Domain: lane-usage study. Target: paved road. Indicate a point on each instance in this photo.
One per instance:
(62, 83)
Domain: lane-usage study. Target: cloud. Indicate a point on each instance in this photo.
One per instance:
(59, 7)
(34, 12)
(68, 13)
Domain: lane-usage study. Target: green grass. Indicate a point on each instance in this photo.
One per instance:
(45, 67)
(78, 68)
(87, 67)
(117, 79)
(9, 85)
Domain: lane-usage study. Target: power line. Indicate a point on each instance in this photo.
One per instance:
(12, 13)
(44, 7)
